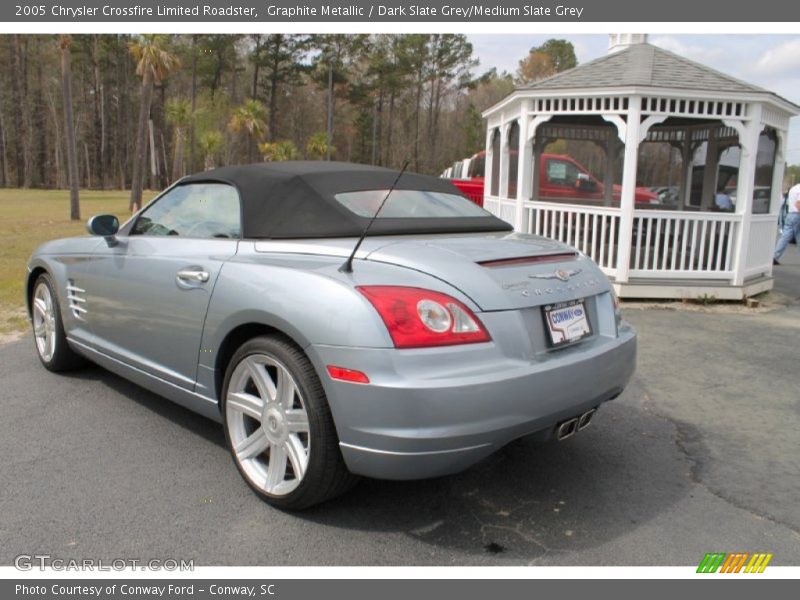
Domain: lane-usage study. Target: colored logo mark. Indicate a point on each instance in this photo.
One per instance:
(734, 562)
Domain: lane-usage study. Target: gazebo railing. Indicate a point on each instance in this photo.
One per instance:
(501, 208)
(592, 230)
(664, 244)
(683, 245)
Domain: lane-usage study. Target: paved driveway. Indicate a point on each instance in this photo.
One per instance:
(699, 454)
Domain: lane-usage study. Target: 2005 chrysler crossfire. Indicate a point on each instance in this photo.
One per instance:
(242, 294)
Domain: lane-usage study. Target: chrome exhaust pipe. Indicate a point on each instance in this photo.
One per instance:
(585, 419)
(566, 429)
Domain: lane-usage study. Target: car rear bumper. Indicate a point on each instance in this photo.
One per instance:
(433, 412)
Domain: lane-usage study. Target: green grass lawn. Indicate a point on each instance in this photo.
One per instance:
(30, 217)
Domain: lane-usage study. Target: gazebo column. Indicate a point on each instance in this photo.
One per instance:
(487, 163)
(538, 145)
(778, 171)
(537, 142)
(710, 171)
(748, 140)
(502, 189)
(686, 170)
(524, 150)
(608, 178)
(632, 137)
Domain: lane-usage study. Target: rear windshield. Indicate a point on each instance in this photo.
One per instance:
(409, 204)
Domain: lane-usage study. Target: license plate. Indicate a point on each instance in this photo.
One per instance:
(567, 322)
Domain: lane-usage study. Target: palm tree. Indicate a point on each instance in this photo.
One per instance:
(65, 41)
(179, 114)
(210, 143)
(278, 151)
(251, 118)
(153, 64)
(318, 147)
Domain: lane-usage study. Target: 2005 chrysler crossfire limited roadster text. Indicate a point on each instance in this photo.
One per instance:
(243, 294)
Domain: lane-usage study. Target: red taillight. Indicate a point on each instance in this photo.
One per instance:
(418, 318)
(350, 375)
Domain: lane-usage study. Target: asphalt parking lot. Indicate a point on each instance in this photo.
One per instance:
(701, 453)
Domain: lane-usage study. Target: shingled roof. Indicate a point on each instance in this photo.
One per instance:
(644, 65)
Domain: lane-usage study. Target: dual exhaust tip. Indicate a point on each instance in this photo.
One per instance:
(571, 426)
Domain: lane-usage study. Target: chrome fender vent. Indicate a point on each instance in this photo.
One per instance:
(77, 300)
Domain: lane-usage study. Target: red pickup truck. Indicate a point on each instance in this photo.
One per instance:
(561, 178)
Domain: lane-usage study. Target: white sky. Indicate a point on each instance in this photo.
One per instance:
(768, 61)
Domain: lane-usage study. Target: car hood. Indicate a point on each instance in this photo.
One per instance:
(499, 271)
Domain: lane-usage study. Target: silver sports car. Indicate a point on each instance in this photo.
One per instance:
(250, 295)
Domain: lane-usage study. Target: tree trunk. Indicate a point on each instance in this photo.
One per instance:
(153, 156)
(88, 165)
(18, 102)
(330, 110)
(389, 128)
(4, 181)
(273, 90)
(69, 126)
(193, 102)
(417, 111)
(434, 121)
(164, 161)
(140, 150)
(59, 183)
(99, 115)
(378, 150)
(41, 125)
(256, 65)
(177, 162)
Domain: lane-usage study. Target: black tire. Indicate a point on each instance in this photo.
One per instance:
(326, 475)
(63, 358)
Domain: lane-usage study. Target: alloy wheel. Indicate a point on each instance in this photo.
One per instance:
(268, 424)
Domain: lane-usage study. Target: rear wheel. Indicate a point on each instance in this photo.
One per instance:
(48, 328)
(279, 427)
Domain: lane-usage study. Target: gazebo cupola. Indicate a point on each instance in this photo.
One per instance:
(666, 172)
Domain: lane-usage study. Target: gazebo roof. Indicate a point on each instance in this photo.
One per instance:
(644, 65)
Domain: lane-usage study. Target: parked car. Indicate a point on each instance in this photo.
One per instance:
(761, 197)
(562, 178)
(668, 195)
(238, 294)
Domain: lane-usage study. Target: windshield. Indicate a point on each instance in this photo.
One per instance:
(410, 204)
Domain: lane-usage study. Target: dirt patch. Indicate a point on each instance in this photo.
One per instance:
(763, 303)
(7, 338)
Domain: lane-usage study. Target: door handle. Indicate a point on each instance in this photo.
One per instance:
(193, 275)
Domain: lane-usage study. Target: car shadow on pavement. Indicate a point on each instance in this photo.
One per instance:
(530, 498)
(527, 501)
(183, 417)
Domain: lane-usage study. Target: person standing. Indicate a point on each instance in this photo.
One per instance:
(723, 200)
(791, 227)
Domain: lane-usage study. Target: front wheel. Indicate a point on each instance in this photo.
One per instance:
(48, 328)
(278, 425)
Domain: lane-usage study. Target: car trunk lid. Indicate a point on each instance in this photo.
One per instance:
(499, 271)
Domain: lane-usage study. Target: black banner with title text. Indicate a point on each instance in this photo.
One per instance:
(398, 11)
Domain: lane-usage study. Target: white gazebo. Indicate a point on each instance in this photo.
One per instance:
(644, 117)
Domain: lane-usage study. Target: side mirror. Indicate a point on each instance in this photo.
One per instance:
(106, 226)
(584, 184)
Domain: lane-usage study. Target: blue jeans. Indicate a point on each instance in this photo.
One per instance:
(791, 229)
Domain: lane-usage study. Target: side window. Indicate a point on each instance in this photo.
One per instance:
(195, 210)
(561, 172)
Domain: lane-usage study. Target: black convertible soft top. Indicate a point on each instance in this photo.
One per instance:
(295, 199)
